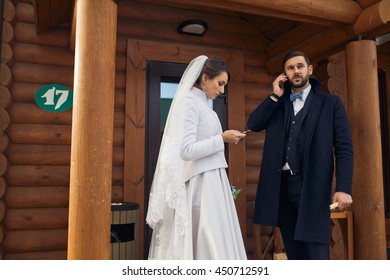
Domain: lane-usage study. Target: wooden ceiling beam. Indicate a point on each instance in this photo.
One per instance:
(367, 3)
(323, 12)
(329, 40)
(372, 18)
(290, 39)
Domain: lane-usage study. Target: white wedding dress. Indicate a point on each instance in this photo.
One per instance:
(214, 233)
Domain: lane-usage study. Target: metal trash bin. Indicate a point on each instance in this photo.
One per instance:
(124, 231)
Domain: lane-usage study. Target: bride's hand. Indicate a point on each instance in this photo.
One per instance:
(233, 136)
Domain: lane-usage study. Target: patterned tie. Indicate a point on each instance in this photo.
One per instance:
(294, 96)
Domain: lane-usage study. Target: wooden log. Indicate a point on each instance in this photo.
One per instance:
(3, 164)
(258, 144)
(5, 97)
(43, 54)
(25, 113)
(4, 141)
(325, 11)
(367, 3)
(3, 187)
(252, 158)
(24, 92)
(49, 175)
(117, 194)
(363, 112)
(3, 209)
(255, 137)
(254, 58)
(252, 174)
(251, 105)
(49, 134)
(257, 91)
(26, 33)
(35, 240)
(36, 218)
(40, 134)
(2, 234)
(120, 99)
(47, 74)
(8, 33)
(4, 119)
(9, 13)
(42, 74)
(37, 175)
(21, 154)
(31, 114)
(251, 189)
(25, 12)
(29, 197)
(7, 56)
(92, 134)
(254, 74)
(45, 255)
(5, 75)
(47, 196)
(373, 17)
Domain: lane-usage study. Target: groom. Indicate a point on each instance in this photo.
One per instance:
(307, 131)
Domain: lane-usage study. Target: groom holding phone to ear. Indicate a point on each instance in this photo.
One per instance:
(307, 131)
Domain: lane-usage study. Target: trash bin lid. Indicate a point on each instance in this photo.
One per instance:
(123, 206)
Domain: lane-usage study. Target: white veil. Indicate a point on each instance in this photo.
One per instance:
(168, 186)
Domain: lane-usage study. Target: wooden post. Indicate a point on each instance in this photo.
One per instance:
(363, 111)
(92, 131)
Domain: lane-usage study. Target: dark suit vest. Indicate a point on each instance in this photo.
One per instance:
(290, 143)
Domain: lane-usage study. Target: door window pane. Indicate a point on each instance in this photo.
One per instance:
(168, 90)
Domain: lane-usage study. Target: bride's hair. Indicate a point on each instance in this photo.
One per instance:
(212, 68)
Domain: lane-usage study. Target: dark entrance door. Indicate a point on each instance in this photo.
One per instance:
(162, 80)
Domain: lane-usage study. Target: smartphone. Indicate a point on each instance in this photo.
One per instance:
(246, 131)
(281, 84)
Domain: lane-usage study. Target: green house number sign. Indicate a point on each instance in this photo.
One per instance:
(54, 98)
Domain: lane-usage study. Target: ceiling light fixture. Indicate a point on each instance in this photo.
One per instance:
(194, 27)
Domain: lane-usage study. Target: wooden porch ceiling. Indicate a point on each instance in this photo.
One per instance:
(319, 28)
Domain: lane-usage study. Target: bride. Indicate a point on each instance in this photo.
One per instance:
(191, 209)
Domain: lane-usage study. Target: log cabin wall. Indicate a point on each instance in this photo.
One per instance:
(5, 100)
(38, 154)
